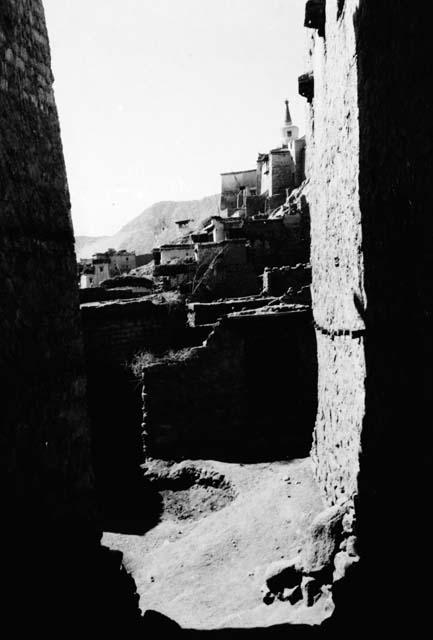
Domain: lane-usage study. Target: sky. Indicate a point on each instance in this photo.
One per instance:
(156, 98)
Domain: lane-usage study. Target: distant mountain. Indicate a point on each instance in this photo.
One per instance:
(155, 226)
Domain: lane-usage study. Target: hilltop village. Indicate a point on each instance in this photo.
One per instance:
(260, 230)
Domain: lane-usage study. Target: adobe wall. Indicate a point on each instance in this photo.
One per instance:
(45, 450)
(176, 252)
(52, 562)
(228, 281)
(228, 399)
(282, 172)
(277, 242)
(369, 164)
(101, 294)
(336, 256)
(278, 280)
(203, 313)
(230, 187)
(225, 271)
(114, 331)
(231, 252)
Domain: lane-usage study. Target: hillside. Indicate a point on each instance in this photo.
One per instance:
(154, 226)
(83, 241)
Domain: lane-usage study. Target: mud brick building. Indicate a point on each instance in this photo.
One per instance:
(370, 164)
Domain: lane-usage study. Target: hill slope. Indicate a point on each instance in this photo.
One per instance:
(83, 241)
(154, 226)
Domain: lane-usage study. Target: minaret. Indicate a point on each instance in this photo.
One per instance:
(289, 131)
(288, 116)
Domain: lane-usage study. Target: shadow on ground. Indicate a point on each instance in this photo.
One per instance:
(154, 622)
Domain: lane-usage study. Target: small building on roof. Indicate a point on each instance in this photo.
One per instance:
(176, 252)
(105, 265)
(235, 183)
(122, 261)
(87, 277)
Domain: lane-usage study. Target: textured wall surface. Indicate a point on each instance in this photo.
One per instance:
(282, 171)
(45, 444)
(277, 242)
(341, 395)
(229, 400)
(56, 578)
(278, 280)
(370, 164)
(368, 159)
(202, 313)
(336, 256)
(114, 331)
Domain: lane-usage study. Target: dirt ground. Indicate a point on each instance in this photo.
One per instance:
(222, 525)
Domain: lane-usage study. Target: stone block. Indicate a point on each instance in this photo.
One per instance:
(343, 562)
(323, 540)
(311, 590)
(282, 579)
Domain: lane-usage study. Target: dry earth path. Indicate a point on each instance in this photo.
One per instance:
(222, 525)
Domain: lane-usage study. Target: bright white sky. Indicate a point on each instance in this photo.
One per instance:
(157, 97)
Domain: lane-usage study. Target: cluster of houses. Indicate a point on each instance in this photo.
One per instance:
(261, 223)
(102, 266)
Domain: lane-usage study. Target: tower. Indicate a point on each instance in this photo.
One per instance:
(289, 131)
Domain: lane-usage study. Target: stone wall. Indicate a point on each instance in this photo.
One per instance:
(278, 280)
(369, 164)
(56, 578)
(45, 459)
(100, 294)
(49, 536)
(114, 331)
(113, 334)
(227, 399)
(204, 313)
